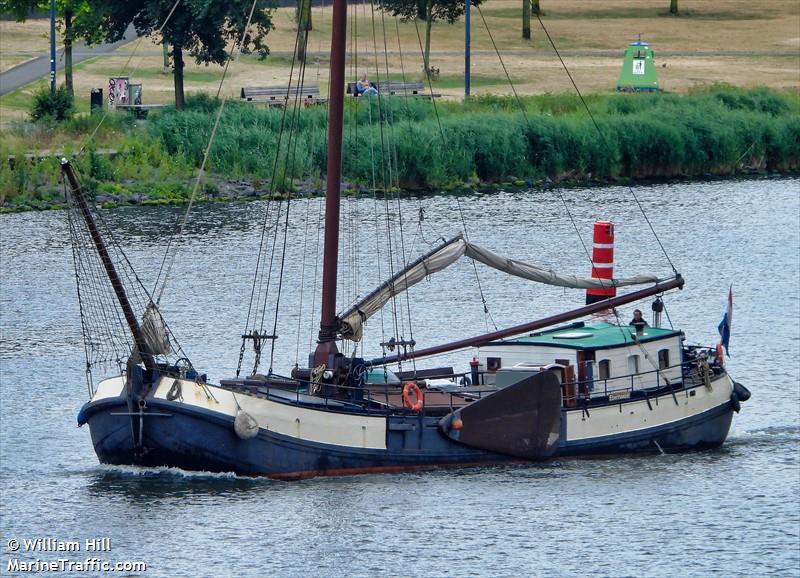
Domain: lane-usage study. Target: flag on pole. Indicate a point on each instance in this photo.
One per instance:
(724, 327)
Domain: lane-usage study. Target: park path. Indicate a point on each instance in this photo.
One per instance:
(39, 67)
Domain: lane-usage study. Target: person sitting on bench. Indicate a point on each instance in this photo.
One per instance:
(364, 88)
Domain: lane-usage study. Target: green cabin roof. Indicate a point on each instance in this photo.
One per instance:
(600, 335)
(638, 69)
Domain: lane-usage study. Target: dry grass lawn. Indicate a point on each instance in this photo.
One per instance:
(739, 42)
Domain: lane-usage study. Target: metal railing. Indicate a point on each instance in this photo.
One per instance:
(382, 399)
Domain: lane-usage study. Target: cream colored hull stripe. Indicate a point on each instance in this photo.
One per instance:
(636, 415)
(370, 432)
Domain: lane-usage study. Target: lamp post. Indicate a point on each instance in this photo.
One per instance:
(53, 46)
(466, 45)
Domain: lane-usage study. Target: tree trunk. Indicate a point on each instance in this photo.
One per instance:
(177, 62)
(68, 53)
(526, 19)
(673, 7)
(165, 49)
(303, 26)
(428, 24)
(535, 7)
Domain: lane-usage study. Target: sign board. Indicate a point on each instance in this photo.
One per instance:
(118, 91)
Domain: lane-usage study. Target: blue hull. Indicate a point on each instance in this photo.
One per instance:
(175, 436)
(705, 430)
(187, 438)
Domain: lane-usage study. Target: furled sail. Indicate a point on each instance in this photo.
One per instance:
(155, 331)
(351, 321)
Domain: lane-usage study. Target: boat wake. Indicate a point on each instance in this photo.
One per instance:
(769, 436)
(163, 472)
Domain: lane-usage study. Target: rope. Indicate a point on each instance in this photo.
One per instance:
(201, 172)
(559, 191)
(603, 138)
(90, 138)
(258, 276)
(296, 113)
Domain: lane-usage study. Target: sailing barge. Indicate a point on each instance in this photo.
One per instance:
(548, 388)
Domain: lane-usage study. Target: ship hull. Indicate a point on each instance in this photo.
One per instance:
(197, 433)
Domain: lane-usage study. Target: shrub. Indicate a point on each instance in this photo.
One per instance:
(47, 105)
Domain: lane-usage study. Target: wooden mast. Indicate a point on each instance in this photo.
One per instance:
(108, 265)
(676, 282)
(326, 344)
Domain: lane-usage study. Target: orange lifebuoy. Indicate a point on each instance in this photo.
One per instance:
(720, 355)
(410, 387)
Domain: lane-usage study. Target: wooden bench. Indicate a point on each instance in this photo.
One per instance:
(277, 95)
(139, 110)
(395, 87)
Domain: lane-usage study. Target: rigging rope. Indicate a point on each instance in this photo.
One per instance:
(201, 172)
(603, 138)
(107, 111)
(258, 276)
(558, 190)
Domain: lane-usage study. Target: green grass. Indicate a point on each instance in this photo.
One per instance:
(486, 139)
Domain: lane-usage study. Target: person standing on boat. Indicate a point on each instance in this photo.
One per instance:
(364, 87)
(638, 320)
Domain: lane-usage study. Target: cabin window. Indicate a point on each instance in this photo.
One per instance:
(663, 358)
(604, 369)
(493, 363)
(633, 364)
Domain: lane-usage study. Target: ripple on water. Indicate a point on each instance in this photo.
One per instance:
(731, 511)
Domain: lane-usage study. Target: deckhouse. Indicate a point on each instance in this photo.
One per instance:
(597, 357)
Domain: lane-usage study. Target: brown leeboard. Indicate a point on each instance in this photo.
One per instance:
(522, 420)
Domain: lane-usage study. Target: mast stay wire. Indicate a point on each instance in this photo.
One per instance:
(238, 51)
(91, 136)
(258, 276)
(395, 157)
(603, 138)
(292, 144)
(386, 169)
(560, 193)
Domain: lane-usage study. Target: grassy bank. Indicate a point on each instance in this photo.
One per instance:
(401, 143)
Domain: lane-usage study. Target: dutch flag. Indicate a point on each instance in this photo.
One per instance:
(727, 320)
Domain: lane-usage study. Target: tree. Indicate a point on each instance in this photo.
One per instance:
(200, 27)
(673, 7)
(303, 15)
(526, 19)
(429, 11)
(75, 20)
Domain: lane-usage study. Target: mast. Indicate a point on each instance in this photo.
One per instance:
(108, 265)
(677, 281)
(326, 344)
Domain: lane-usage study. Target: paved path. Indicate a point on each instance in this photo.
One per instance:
(35, 69)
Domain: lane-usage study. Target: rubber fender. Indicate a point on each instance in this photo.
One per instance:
(741, 391)
(245, 425)
(81, 417)
(735, 403)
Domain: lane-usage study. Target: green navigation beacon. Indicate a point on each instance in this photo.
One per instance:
(639, 69)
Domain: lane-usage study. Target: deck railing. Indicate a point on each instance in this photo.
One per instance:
(380, 399)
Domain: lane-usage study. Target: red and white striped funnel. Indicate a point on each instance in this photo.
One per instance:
(602, 261)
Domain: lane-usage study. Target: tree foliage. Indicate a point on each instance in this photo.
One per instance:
(203, 28)
(428, 11)
(75, 20)
(447, 10)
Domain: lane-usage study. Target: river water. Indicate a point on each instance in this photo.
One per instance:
(733, 511)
